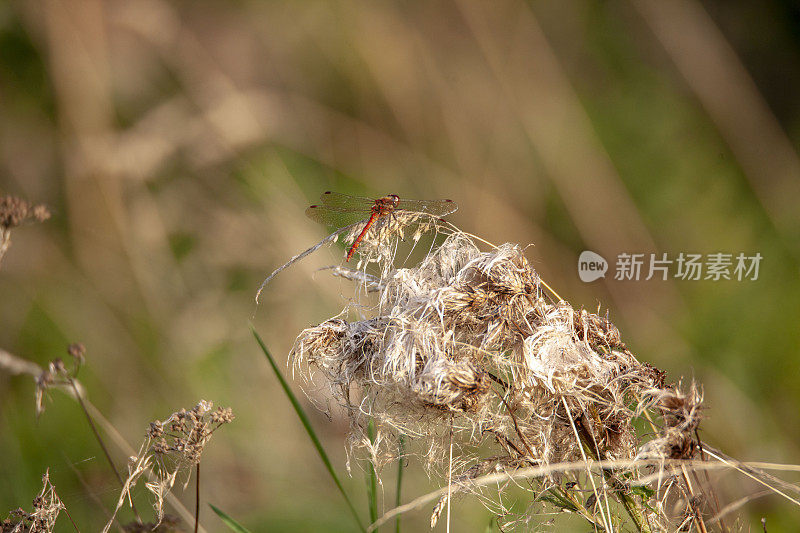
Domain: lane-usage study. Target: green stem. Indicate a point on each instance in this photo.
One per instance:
(372, 483)
(401, 450)
(301, 414)
(618, 488)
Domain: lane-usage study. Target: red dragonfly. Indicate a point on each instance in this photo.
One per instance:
(341, 210)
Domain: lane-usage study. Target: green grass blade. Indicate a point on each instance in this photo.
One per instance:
(232, 524)
(307, 425)
(401, 450)
(372, 479)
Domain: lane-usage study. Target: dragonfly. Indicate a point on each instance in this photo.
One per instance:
(342, 210)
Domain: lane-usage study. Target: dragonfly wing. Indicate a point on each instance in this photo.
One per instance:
(335, 217)
(438, 208)
(337, 200)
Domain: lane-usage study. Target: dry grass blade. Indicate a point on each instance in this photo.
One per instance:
(327, 240)
(575, 466)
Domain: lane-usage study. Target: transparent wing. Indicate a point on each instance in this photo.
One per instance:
(438, 208)
(335, 217)
(345, 202)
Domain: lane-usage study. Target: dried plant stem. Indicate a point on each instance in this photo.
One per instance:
(74, 525)
(738, 504)
(581, 466)
(102, 444)
(589, 444)
(516, 428)
(711, 488)
(606, 521)
(696, 516)
(330, 238)
(5, 242)
(450, 477)
(197, 498)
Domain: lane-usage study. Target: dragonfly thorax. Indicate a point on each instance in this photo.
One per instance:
(386, 204)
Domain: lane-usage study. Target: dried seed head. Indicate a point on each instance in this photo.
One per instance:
(57, 366)
(681, 413)
(14, 211)
(168, 453)
(40, 213)
(77, 351)
(156, 429)
(379, 243)
(222, 416)
(467, 345)
(471, 333)
(45, 509)
(458, 386)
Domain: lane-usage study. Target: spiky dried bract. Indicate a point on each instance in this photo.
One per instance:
(468, 342)
(172, 446)
(681, 413)
(42, 518)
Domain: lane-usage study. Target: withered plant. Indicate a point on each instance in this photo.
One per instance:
(42, 518)
(498, 383)
(172, 446)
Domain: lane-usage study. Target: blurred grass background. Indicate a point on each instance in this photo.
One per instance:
(178, 143)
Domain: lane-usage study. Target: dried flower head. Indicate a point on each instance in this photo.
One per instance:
(172, 446)
(466, 349)
(45, 509)
(77, 351)
(57, 375)
(15, 212)
(680, 412)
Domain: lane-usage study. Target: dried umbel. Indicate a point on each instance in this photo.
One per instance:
(15, 212)
(42, 518)
(172, 446)
(59, 376)
(468, 348)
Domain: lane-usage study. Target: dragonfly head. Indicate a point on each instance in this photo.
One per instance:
(393, 199)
